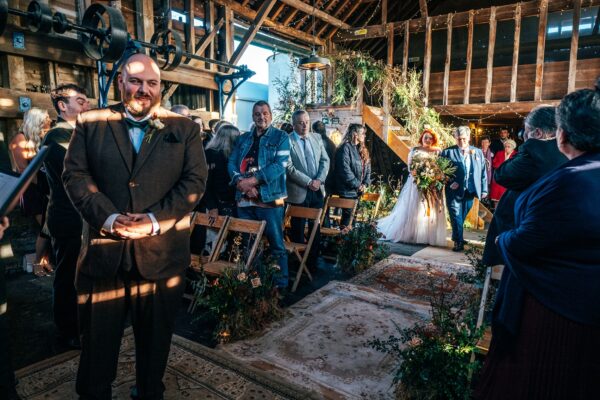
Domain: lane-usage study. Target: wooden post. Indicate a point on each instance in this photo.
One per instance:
(51, 72)
(541, 45)
(427, 60)
(144, 19)
(469, 58)
(384, 12)
(190, 30)
(405, 52)
(515, 60)
(16, 72)
(390, 44)
(209, 26)
(490, 58)
(448, 58)
(361, 88)
(574, 45)
(423, 8)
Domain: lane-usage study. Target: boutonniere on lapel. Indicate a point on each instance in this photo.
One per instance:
(472, 152)
(155, 124)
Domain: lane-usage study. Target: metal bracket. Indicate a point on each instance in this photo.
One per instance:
(235, 79)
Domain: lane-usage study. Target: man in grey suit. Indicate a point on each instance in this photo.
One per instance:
(306, 174)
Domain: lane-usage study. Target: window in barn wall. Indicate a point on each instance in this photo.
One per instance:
(398, 49)
(481, 41)
(528, 40)
(459, 48)
(589, 34)
(416, 50)
(438, 50)
(505, 40)
(192, 96)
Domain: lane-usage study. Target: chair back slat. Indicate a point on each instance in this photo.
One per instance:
(246, 226)
(338, 202)
(303, 212)
(370, 197)
(203, 220)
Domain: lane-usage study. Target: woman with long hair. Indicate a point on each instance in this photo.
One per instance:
(412, 220)
(23, 147)
(220, 197)
(352, 167)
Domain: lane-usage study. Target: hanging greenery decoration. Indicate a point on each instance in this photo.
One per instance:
(404, 93)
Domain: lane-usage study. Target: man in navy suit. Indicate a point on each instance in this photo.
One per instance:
(469, 181)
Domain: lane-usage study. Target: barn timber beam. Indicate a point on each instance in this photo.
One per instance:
(265, 9)
(310, 10)
(249, 14)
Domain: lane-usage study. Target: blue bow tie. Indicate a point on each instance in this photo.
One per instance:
(143, 125)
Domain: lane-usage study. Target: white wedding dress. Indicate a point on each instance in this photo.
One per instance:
(408, 222)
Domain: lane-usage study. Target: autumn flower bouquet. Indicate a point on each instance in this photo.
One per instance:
(431, 174)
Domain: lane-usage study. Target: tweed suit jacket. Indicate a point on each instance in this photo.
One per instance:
(297, 178)
(104, 176)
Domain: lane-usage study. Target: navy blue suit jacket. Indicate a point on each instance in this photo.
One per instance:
(477, 165)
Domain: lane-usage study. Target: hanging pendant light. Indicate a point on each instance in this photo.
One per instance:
(314, 61)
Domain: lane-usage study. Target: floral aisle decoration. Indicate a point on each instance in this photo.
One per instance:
(358, 248)
(431, 175)
(243, 302)
(435, 357)
(403, 91)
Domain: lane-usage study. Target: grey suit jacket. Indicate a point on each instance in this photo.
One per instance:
(102, 176)
(297, 178)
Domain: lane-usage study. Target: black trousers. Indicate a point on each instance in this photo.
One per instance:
(104, 305)
(64, 301)
(346, 213)
(312, 200)
(7, 376)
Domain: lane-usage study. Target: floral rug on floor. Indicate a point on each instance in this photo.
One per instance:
(322, 343)
(194, 372)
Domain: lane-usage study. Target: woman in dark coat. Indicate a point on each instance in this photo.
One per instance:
(546, 320)
(352, 167)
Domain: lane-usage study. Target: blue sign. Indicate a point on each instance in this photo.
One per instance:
(24, 104)
(19, 40)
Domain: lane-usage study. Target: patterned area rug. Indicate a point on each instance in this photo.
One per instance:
(194, 372)
(322, 344)
(414, 279)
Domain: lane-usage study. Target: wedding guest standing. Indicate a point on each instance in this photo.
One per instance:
(497, 190)
(63, 221)
(352, 168)
(134, 171)
(469, 181)
(546, 319)
(497, 144)
(257, 169)
(488, 156)
(306, 174)
(536, 157)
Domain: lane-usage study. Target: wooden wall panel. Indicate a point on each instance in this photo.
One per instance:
(36, 75)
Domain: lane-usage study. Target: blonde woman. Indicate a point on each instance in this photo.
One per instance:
(23, 147)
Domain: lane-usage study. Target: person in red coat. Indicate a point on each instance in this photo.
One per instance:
(496, 190)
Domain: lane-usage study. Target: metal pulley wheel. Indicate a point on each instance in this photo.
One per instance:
(60, 23)
(168, 45)
(39, 17)
(106, 37)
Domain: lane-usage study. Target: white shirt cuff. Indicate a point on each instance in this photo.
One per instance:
(108, 224)
(155, 225)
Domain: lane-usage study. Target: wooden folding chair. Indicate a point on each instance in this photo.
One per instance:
(493, 273)
(337, 202)
(198, 261)
(302, 250)
(369, 198)
(242, 226)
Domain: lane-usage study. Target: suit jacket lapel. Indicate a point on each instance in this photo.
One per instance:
(121, 136)
(298, 152)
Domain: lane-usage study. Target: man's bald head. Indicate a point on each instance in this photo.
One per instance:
(139, 83)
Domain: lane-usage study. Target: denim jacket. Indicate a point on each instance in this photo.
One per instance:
(273, 157)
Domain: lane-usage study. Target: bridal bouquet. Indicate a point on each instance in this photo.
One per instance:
(431, 175)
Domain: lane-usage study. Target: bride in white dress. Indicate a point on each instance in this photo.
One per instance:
(409, 221)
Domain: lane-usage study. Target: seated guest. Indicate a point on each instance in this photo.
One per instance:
(257, 168)
(497, 190)
(306, 174)
(546, 320)
(319, 127)
(352, 168)
(63, 221)
(536, 157)
(220, 197)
